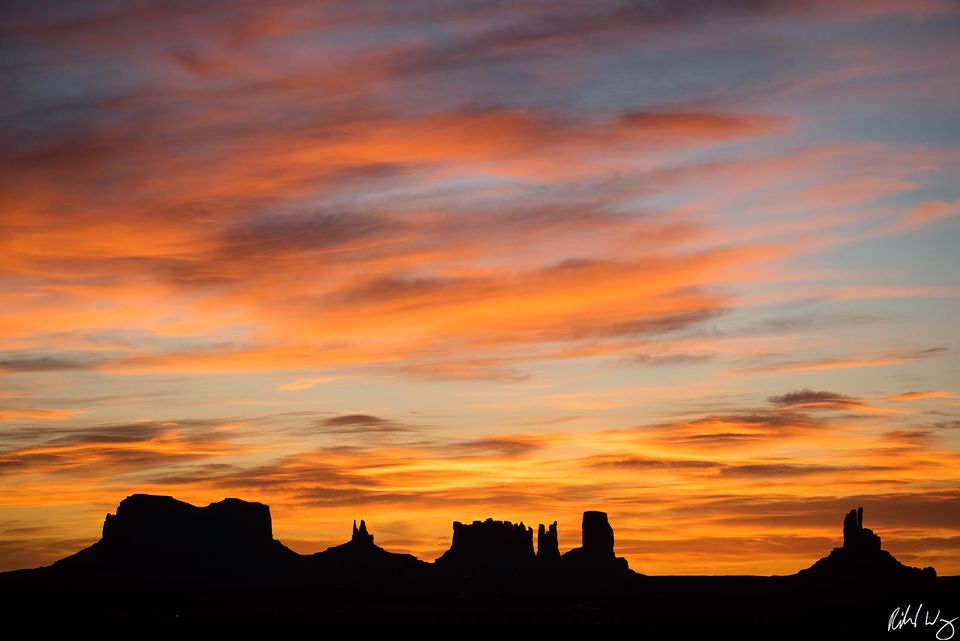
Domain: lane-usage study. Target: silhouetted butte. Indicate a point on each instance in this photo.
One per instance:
(595, 555)
(489, 547)
(161, 536)
(861, 556)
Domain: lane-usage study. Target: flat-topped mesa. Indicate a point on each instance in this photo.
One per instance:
(855, 536)
(361, 536)
(485, 547)
(548, 546)
(159, 535)
(147, 517)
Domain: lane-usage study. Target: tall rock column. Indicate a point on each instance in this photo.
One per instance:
(548, 546)
(855, 536)
(597, 534)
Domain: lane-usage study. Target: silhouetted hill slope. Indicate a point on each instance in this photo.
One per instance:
(360, 556)
(861, 556)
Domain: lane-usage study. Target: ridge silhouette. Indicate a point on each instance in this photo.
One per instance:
(215, 567)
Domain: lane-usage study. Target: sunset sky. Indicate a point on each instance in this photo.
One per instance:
(695, 264)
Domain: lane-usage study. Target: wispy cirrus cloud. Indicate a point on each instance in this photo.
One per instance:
(37, 413)
(122, 448)
(364, 424)
(918, 396)
(849, 362)
(307, 383)
(926, 213)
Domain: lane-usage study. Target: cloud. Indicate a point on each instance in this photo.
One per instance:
(307, 383)
(926, 213)
(787, 470)
(908, 438)
(494, 447)
(430, 471)
(37, 413)
(298, 249)
(370, 268)
(686, 467)
(26, 362)
(807, 398)
(792, 323)
(121, 448)
(300, 234)
(917, 396)
(643, 463)
(535, 32)
(670, 359)
(733, 429)
(920, 510)
(651, 326)
(849, 362)
(363, 424)
(702, 124)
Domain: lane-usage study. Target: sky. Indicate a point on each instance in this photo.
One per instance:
(691, 263)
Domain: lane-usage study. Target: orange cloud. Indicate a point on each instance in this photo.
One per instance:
(878, 360)
(307, 383)
(37, 413)
(916, 396)
(925, 214)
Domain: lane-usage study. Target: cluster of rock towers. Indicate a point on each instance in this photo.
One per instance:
(491, 546)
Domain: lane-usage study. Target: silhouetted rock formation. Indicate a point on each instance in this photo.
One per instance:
(596, 555)
(165, 565)
(861, 556)
(597, 535)
(548, 546)
(500, 547)
(359, 556)
(855, 536)
(361, 535)
(489, 547)
(161, 535)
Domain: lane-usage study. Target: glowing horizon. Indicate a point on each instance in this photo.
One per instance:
(694, 266)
